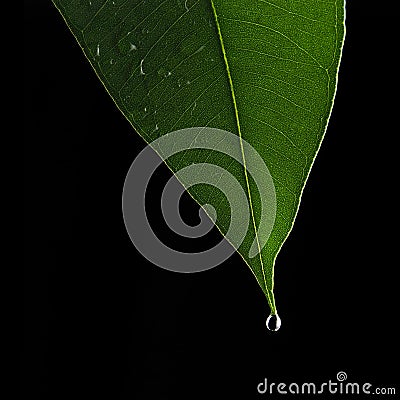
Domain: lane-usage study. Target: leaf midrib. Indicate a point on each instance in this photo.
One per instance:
(237, 120)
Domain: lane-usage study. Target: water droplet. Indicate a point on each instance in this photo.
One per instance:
(111, 61)
(169, 73)
(141, 68)
(156, 128)
(187, 82)
(132, 47)
(98, 51)
(273, 322)
(201, 48)
(194, 106)
(145, 109)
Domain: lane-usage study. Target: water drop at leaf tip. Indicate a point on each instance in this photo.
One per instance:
(273, 322)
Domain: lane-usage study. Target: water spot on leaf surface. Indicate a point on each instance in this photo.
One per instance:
(141, 68)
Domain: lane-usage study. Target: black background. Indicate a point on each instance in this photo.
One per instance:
(101, 322)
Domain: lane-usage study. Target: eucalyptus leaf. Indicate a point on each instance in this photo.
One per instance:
(263, 70)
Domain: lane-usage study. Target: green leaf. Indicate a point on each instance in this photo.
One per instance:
(265, 70)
